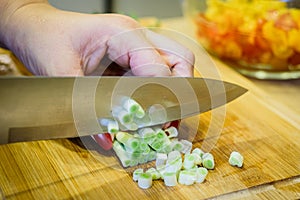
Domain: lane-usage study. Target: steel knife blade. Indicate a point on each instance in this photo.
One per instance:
(39, 108)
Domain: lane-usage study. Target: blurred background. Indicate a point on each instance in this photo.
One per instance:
(138, 8)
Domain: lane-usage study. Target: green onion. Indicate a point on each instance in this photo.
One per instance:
(137, 173)
(170, 178)
(145, 180)
(130, 143)
(187, 146)
(198, 151)
(155, 174)
(172, 132)
(122, 154)
(157, 114)
(189, 161)
(236, 159)
(208, 161)
(201, 174)
(112, 126)
(187, 177)
(176, 145)
(124, 117)
(133, 107)
(161, 159)
(198, 159)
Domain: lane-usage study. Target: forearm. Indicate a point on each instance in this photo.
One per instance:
(7, 9)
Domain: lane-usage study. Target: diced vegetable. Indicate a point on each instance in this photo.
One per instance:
(172, 132)
(198, 159)
(161, 159)
(145, 180)
(208, 161)
(189, 161)
(187, 177)
(137, 173)
(198, 151)
(170, 178)
(201, 174)
(236, 159)
(157, 114)
(187, 146)
(122, 154)
(155, 174)
(112, 126)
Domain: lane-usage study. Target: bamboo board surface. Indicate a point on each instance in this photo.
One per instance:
(268, 139)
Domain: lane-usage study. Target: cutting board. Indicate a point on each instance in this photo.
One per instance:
(63, 169)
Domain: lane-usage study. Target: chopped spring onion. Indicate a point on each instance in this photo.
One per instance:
(131, 105)
(130, 142)
(155, 174)
(176, 145)
(122, 154)
(198, 151)
(187, 146)
(236, 159)
(157, 114)
(208, 161)
(198, 159)
(137, 173)
(174, 166)
(147, 134)
(174, 155)
(187, 177)
(161, 159)
(201, 174)
(145, 180)
(189, 161)
(172, 132)
(124, 117)
(170, 178)
(112, 126)
(143, 121)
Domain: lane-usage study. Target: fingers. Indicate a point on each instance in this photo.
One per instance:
(179, 58)
(132, 49)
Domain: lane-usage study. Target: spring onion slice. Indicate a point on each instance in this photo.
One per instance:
(161, 159)
(157, 114)
(187, 177)
(198, 159)
(198, 151)
(187, 146)
(201, 174)
(122, 154)
(189, 161)
(208, 161)
(170, 178)
(236, 159)
(136, 174)
(112, 126)
(145, 180)
(155, 174)
(172, 132)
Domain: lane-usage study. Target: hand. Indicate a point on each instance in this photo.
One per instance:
(53, 42)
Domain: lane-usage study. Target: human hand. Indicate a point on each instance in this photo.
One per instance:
(53, 42)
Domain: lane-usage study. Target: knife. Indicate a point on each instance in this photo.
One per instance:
(40, 108)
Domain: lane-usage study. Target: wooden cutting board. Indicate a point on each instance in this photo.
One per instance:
(72, 169)
(63, 169)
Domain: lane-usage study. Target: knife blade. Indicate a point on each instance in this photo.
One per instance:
(39, 108)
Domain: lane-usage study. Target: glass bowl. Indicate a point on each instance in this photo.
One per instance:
(258, 38)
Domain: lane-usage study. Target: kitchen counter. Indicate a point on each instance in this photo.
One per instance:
(263, 125)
